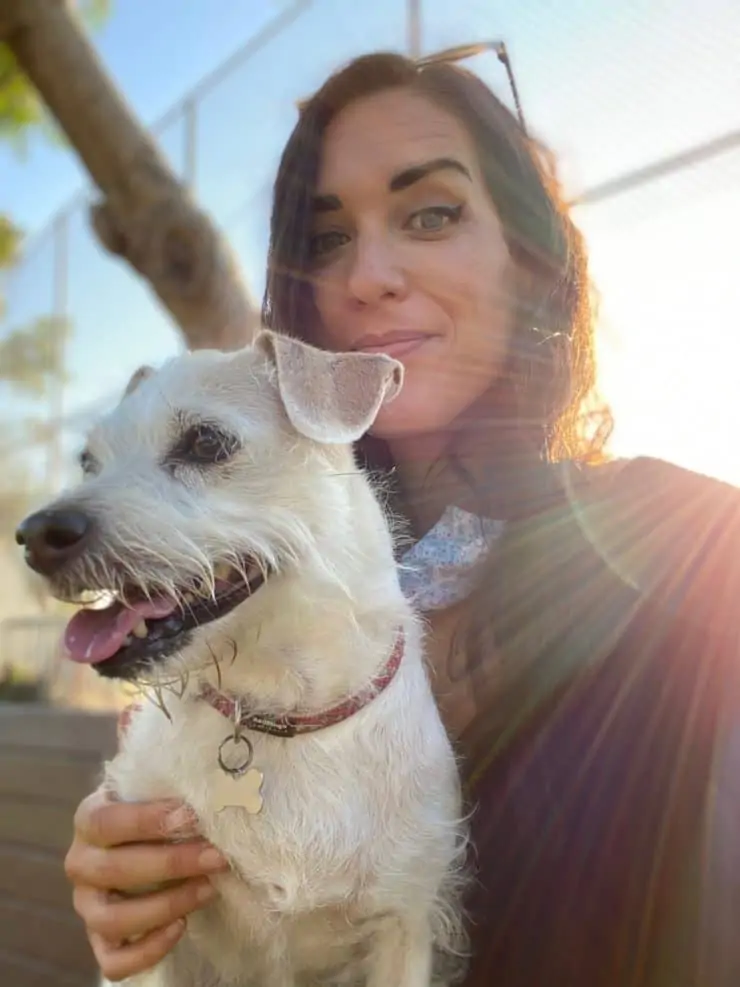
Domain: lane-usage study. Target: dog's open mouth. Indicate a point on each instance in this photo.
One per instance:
(127, 636)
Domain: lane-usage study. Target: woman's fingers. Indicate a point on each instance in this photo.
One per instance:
(124, 846)
(117, 962)
(131, 868)
(104, 822)
(118, 920)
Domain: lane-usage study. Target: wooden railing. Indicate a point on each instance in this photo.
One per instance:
(49, 759)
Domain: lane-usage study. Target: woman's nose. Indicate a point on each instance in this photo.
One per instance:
(375, 272)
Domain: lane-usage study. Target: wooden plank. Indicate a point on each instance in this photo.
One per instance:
(53, 777)
(33, 876)
(51, 728)
(50, 758)
(19, 971)
(43, 825)
(56, 939)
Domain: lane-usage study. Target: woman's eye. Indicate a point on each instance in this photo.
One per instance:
(433, 219)
(325, 243)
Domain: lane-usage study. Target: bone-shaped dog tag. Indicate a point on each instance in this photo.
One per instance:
(239, 791)
(237, 785)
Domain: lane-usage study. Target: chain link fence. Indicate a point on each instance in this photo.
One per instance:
(77, 322)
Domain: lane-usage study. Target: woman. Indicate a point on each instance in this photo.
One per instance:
(583, 629)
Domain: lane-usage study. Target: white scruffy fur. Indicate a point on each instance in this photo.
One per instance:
(351, 872)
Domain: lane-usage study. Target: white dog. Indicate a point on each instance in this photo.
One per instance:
(256, 589)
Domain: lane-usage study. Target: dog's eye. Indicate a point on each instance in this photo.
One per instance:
(206, 445)
(88, 463)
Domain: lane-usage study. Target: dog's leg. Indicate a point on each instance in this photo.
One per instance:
(278, 978)
(151, 978)
(402, 956)
(278, 968)
(183, 967)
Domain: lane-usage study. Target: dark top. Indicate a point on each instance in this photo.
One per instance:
(607, 824)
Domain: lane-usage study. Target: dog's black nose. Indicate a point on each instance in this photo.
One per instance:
(53, 538)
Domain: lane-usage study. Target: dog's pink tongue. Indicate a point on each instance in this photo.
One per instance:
(92, 636)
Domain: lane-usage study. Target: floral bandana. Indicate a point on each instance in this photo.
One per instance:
(439, 570)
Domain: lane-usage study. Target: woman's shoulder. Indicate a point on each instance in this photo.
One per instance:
(658, 484)
(667, 527)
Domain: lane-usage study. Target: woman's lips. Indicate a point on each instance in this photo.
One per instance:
(394, 344)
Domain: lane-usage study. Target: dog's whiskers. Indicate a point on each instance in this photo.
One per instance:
(156, 689)
(263, 569)
(235, 651)
(216, 663)
(183, 678)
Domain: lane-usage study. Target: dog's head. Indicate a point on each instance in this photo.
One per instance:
(213, 477)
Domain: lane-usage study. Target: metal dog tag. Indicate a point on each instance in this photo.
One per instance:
(242, 793)
(238, 786)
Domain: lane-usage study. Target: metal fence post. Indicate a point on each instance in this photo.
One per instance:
(190, 150)
(58, 343)
(413, 28)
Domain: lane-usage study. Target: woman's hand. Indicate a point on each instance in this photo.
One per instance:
(119, 850)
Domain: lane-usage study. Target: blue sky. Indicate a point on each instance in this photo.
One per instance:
(609, 87)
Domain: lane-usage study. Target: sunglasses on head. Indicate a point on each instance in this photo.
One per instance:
(449, 56)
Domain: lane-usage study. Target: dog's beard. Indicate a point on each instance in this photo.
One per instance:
(146, 623)
(170, 573)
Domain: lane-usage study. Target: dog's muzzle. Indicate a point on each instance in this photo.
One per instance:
(139, 628)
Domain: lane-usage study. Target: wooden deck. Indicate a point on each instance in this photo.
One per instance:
(49, 759)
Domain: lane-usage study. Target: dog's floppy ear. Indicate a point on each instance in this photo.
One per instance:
(136, 378)
(330, 397)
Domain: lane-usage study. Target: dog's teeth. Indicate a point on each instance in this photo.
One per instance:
(188, 597)
(128, 640)
(141, 629)
(221, 570)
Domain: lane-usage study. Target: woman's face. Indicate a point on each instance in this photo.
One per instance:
(409, 256)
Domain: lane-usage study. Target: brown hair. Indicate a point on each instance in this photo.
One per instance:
(551, 368)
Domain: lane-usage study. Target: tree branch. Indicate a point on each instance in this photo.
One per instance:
(7, 19)
(146, 215)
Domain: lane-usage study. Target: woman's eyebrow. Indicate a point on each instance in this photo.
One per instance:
(409, 176)
(326, 203)
(400, 181)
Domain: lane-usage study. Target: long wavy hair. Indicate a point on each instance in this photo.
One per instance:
(546, 394)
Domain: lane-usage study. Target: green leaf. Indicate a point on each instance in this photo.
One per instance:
(32, 356)
(10, 240)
